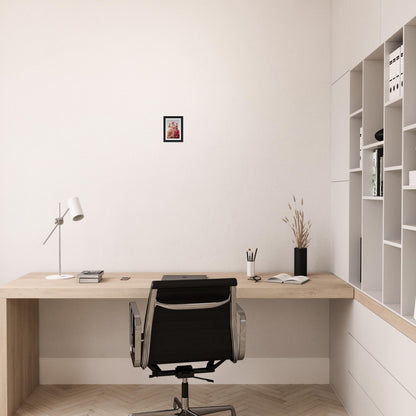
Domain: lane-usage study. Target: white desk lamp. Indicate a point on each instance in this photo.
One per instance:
(75, 210)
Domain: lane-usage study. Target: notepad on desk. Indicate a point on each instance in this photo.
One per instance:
(287, 278)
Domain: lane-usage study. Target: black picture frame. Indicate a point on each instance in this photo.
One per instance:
(175, 133)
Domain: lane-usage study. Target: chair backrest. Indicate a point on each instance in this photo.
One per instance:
(190, 321)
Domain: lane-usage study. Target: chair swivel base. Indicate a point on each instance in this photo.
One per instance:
(180, 409)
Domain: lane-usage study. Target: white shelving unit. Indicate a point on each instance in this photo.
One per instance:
(382, 231)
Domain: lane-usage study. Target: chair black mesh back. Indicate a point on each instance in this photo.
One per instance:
(180, 336)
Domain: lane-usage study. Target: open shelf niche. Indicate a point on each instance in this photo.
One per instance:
(382, 238)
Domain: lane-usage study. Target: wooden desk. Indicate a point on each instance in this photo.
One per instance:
(19, 315)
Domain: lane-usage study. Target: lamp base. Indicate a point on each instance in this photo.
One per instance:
(59, 276)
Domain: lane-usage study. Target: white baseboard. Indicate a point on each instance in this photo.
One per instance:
(249, 371)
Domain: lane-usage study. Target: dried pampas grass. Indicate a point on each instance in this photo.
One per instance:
(300, 228)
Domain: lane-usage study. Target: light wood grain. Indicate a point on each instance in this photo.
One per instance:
(121, 400)
(19, 352)
(395, 320)
(34, 285)
(3, 357)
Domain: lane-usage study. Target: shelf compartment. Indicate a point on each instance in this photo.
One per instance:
(373, 91)
(393, 243)
(355, 125)
(409, 207)
(393, 136)
(408, 292)
(395, 307)
(375, 294)
(409, 42)
(397, 102)
(372, 247)
(372, 146)
(409, 155)
(355, 209)
(392, 205)
(393, 168)
(411, 127)
(357, 114)
(392, 275)
(356, 89)
(373, 198)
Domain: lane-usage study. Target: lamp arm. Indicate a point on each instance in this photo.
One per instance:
(58, 221)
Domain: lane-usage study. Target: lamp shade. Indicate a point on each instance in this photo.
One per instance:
(75, 209)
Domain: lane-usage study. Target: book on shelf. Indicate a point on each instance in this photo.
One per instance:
(380, 155)
(287, 278)
(377, 167)
(90, 279)
(90, 274)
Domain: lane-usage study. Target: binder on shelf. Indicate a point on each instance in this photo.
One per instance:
(401, 69)
(397, 72)
(391, 75)
(394, 74)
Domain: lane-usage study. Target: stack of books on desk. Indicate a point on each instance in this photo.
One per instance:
(90, 276)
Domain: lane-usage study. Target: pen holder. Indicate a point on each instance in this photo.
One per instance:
(251, 269)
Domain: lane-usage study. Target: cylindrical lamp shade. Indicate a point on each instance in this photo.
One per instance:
(75, 209)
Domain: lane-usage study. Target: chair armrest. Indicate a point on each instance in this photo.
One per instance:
(135, 329)
(241, 332)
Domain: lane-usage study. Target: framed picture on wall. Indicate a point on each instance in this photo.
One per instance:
(173, 129)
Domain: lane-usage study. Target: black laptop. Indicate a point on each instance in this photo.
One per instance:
(184, 276)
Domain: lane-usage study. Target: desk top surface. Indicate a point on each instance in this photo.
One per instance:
(35, 286)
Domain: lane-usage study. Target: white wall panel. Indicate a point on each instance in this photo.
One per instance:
(394, 14)
(340, 147)
(355, 32)
(339, 221)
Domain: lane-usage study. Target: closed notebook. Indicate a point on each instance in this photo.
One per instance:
(287, 278)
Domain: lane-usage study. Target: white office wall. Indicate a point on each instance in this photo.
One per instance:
(84, 86)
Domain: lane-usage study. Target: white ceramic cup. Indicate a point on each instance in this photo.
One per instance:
(251, 270)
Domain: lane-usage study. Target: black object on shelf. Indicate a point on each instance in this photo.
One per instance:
(301, 261)
(379, 135)
(380, 171)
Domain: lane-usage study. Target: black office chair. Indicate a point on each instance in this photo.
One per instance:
(188, 321)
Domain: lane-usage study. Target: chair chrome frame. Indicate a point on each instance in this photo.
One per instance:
(140, 348)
